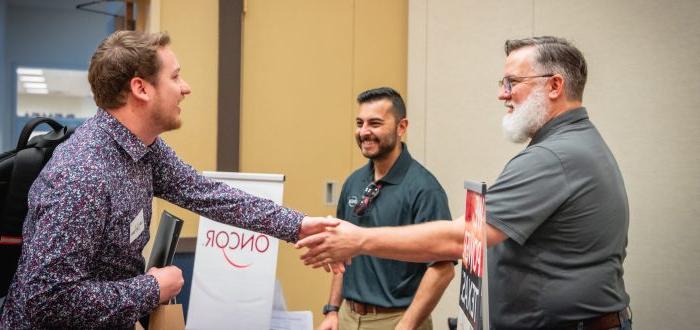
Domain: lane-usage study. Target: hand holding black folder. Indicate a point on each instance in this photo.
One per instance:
(165, 241)
(164, 248)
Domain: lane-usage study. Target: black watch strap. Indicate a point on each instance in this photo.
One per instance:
(330, 308)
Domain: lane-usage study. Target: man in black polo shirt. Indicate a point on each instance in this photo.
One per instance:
(391, 190)
(557, 215)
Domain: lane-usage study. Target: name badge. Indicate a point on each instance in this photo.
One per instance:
(136, 227)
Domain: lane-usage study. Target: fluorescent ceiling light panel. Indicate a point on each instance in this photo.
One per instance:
(35, 85)
(37, 91)
(30, 72)
(39, 79)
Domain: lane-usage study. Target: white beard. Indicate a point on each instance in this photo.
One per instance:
(526, 119)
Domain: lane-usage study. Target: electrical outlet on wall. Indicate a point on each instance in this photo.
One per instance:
(330, 192)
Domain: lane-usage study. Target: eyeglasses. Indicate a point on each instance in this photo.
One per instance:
(508, 82)
(371, 192)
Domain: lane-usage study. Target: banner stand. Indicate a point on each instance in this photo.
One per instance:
(473, 288)
(233, 278)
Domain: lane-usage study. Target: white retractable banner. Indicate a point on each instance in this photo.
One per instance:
(234, 269)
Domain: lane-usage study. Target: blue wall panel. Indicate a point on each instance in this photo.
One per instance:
(52, 36)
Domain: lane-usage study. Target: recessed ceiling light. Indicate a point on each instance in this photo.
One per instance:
(37, 91)
(35, 85)
(30, 72)
(40, 79)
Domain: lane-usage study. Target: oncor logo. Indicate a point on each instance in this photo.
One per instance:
(229, 241)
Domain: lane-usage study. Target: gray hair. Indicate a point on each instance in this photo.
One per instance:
(556, 55)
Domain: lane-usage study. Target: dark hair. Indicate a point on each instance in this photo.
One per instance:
(120, 57)
(385, 93)
(556, 55)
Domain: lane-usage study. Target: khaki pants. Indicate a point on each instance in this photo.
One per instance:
(349, 320)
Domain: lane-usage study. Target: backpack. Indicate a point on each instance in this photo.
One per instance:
(18, 169)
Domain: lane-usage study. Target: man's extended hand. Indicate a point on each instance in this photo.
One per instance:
(314, 225)
(335, 245)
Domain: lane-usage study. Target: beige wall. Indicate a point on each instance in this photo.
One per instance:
(641, 94)
(303, 64)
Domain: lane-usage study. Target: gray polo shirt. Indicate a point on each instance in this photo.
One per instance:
(409, 195)
(563, 205)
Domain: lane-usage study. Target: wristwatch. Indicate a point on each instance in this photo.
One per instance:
(330, 308)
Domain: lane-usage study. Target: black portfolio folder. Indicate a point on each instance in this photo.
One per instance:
(165, 241)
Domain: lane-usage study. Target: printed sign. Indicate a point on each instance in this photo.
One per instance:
(234, 270)
(473, 295)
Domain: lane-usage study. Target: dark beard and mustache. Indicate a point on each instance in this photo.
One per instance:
(384, 147)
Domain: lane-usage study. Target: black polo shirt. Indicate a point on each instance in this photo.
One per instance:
(409, 195)
(563, 205)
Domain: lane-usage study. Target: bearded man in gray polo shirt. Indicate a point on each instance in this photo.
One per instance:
(557, 215)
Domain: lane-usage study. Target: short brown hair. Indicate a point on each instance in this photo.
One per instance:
(556, 55)
(119, 58)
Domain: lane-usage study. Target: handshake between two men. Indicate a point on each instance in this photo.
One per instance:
(334, 247)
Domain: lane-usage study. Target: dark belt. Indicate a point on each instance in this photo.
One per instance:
(604, 322)
(363, 309)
